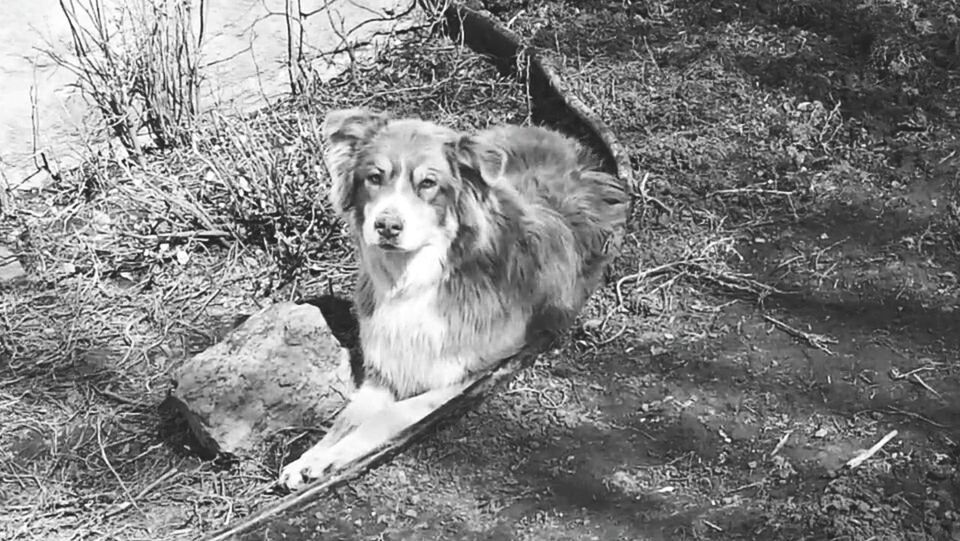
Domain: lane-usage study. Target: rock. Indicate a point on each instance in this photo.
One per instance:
(281, 368)
(10, 268)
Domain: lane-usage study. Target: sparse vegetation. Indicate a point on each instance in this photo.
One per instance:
(797, 163)
(138, 64)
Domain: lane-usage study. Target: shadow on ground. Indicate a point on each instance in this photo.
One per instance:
(676, 443)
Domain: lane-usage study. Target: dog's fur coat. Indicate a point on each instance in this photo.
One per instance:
(470, 248)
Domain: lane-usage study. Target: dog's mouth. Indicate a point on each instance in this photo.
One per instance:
(390, 245)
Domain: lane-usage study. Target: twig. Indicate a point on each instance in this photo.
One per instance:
(103, 455)
(896, 374)
(119, 398)
(712, 525)
(618, 334)
(542, 398)
(947, 157)
(204, 306)
(653, 59)
(781, 443)
(862, 457)
(916, 377)
(818, 341)
(745, 487)
(917, 416)
(293, 16)
(34, 512)
(181, 235)
(169, 474)
(752, 190)
(734, 281)
(640, 275)
(642, 188)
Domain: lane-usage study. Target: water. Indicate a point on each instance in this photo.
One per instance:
(244, 51)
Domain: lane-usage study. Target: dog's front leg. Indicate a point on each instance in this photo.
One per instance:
(364, 403)
(369, 432)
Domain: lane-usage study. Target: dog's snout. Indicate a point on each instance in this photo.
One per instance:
(388, 225)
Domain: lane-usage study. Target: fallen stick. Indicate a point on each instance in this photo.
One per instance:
(201, 234)
(922, 383)
(170, 474)
(640, 275)
(818, 341)
(781, 443)
(896, 374)
(864, 456)
(712, 525)
(917, 416)
(489, 381)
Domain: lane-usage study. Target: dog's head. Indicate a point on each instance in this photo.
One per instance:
(405, 184)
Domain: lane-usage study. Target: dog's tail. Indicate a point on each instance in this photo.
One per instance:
(597, 214)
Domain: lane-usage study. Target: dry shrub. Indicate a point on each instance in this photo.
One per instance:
(264, 174)
(138, 64)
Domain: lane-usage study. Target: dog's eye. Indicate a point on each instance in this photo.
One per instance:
(375, 179)
(427, 183)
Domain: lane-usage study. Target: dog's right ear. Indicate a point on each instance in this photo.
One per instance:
(345, 130)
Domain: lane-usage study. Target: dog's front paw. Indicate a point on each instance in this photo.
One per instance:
(311, 465)
(294, 475)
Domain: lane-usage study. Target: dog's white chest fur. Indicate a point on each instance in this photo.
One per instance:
(414, 346)
(404, 340)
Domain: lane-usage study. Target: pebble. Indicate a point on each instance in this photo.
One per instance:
(10, 268)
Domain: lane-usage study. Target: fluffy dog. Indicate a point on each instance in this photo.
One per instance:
(470, 246)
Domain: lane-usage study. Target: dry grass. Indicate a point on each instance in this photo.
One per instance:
(138, 64)
(85, 363)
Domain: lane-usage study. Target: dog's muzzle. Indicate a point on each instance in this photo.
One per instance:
(388, 227)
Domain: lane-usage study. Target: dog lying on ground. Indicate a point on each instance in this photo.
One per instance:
(471, 247)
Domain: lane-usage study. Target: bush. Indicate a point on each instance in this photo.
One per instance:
(138, 64)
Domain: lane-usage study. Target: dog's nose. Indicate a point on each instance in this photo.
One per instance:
(388, 226)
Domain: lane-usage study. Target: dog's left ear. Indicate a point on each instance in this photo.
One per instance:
(345, 130)
(478, 162)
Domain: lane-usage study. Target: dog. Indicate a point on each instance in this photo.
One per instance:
(470, 248)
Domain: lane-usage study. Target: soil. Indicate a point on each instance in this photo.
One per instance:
(787, 296)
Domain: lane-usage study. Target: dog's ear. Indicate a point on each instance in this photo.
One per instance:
(344, 131)
(478, 162)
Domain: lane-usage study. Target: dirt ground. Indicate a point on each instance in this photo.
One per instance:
(788, 295)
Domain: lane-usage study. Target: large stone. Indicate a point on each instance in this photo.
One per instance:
(281, 368)
(10, 268)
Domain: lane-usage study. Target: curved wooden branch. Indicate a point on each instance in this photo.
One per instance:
(553, 103)
(481, 388)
